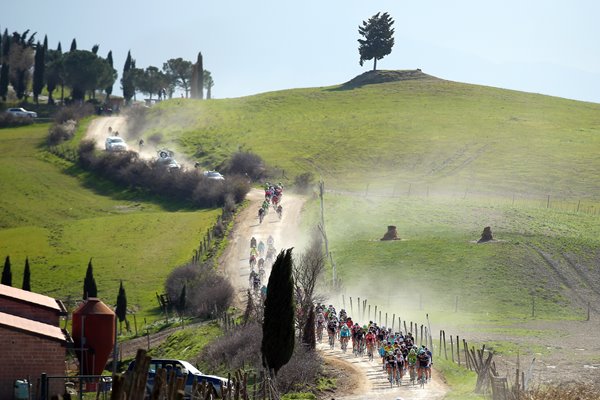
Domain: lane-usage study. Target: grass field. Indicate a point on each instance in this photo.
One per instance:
(60, 217)
(427, 132)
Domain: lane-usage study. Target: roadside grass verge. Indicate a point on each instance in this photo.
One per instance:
(61, 220)
(460, 380)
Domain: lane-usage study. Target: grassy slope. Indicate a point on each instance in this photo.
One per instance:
(428, 136)
(424, 132)
(59, 218)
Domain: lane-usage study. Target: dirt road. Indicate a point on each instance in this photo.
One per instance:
(371, 381)
(285, 232)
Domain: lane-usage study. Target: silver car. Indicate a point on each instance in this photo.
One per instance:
(115, 143)
(21, 112)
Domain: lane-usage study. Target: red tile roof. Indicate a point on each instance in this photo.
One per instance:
(33, 327)
(31, 297)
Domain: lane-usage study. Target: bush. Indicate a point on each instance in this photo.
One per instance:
(205, 288)
(245, 163)
(10, 121)
(73, 112)
(189, 186)
(60, 132)
(304, 181)
(301, 372)
(239, 348)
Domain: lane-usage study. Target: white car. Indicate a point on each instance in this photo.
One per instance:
(115, 143)
(21, 112)
(165, 157)
(214, 175)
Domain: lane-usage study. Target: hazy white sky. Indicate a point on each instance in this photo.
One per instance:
(543, 46)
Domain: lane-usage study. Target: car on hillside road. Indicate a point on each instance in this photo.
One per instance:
(115, 143)
(21, 112)
(182, 369)
(166, 159)
(214, 175)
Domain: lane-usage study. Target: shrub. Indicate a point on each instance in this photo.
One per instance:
(304, 181)
(189, 186)
(60, 132)
(239, 348)
(73, 112)
(10, 121)
(301, 372)
(246, 163)
(207, 290)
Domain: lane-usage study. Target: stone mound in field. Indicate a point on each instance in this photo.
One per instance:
(391, 234)
(486, 235)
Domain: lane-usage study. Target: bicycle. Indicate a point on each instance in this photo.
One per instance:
(370, 351)
(344, 343)
(422, 377)
(391, 370)
(331, 340)
(319, 332)
(412, 374)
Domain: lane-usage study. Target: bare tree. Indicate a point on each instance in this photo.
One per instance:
(307, 271)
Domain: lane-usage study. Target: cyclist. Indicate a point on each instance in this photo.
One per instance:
(253, 242)
(343, 315)
(270, 241)
(371, 340)
(253, 251)
(399, 365)
(422, 364)
(261, 215)
(320, 320)
(332, 327)
(411, 358)
(261, 248)
(279, 211)
(390, 365)
(344, 336)
(252, 262)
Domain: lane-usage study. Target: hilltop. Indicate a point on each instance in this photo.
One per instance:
(384, 76)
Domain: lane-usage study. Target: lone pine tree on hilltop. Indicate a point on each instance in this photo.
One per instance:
(378, 38)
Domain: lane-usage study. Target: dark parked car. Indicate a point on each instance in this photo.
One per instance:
(181, 368)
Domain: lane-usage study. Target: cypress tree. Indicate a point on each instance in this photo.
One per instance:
(89, 283)
(199, 65)
(127, 79)
(6, 273)
(4, 77)
(108, 89)
(38, 71)
(121, 309)
(27, 276)
(278, 324)
(73, 45)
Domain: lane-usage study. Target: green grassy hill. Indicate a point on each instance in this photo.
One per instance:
(441, 160)
(60, 217)
(419, 131)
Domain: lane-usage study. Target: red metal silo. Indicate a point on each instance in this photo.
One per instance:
(94, 325)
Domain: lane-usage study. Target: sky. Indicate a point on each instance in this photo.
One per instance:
(541, 46)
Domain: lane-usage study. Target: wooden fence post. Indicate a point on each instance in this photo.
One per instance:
(445, 352)
(452, 347)
(393, 321)
(458, 350)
